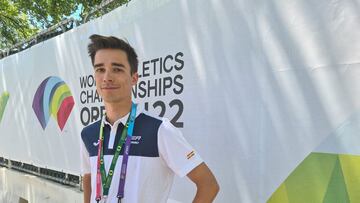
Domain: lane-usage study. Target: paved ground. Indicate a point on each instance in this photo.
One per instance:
(17, 187)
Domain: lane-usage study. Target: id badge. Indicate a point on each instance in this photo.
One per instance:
(103, 199)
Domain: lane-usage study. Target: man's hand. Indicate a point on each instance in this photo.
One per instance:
(207, 186)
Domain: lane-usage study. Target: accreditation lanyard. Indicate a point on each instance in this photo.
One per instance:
(101, 177)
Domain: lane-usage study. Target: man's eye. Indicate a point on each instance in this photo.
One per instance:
(99, 70)
(117, 69)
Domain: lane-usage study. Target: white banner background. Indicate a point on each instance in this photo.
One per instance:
(264, 83)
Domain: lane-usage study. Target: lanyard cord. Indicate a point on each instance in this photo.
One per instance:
(101, 174)
(130, 130)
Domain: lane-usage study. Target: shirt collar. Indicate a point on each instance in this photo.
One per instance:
(122, 119)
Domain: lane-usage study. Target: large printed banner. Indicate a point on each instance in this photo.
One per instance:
(268, 92)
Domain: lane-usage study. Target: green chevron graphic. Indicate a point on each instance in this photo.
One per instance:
(322, 178)
(3, 101)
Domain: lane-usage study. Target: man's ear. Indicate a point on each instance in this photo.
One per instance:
(135, 77)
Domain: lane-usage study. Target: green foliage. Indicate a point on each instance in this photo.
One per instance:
(14, 25)
(21, 19)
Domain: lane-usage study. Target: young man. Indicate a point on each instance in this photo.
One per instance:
(129, 156)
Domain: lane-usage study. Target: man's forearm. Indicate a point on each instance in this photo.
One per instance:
(206, 184)
(206, 193)
(87, 187)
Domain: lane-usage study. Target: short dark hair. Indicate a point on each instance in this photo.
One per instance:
(110, 42)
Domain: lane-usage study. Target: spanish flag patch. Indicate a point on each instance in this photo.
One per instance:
(191, 154)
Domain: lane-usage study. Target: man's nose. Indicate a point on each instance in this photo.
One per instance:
(107, 76)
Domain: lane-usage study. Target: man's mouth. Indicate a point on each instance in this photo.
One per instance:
(109, 88)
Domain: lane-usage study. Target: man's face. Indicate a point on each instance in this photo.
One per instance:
(113, 75)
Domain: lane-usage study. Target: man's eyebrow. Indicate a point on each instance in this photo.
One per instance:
(98, 65)
(114, 64)
(117, 64)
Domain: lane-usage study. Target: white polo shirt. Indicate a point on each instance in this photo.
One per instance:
(158, 151)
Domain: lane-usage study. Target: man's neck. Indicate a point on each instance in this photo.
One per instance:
(115, 111)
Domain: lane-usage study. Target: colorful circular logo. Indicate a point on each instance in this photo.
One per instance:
(53, 98)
